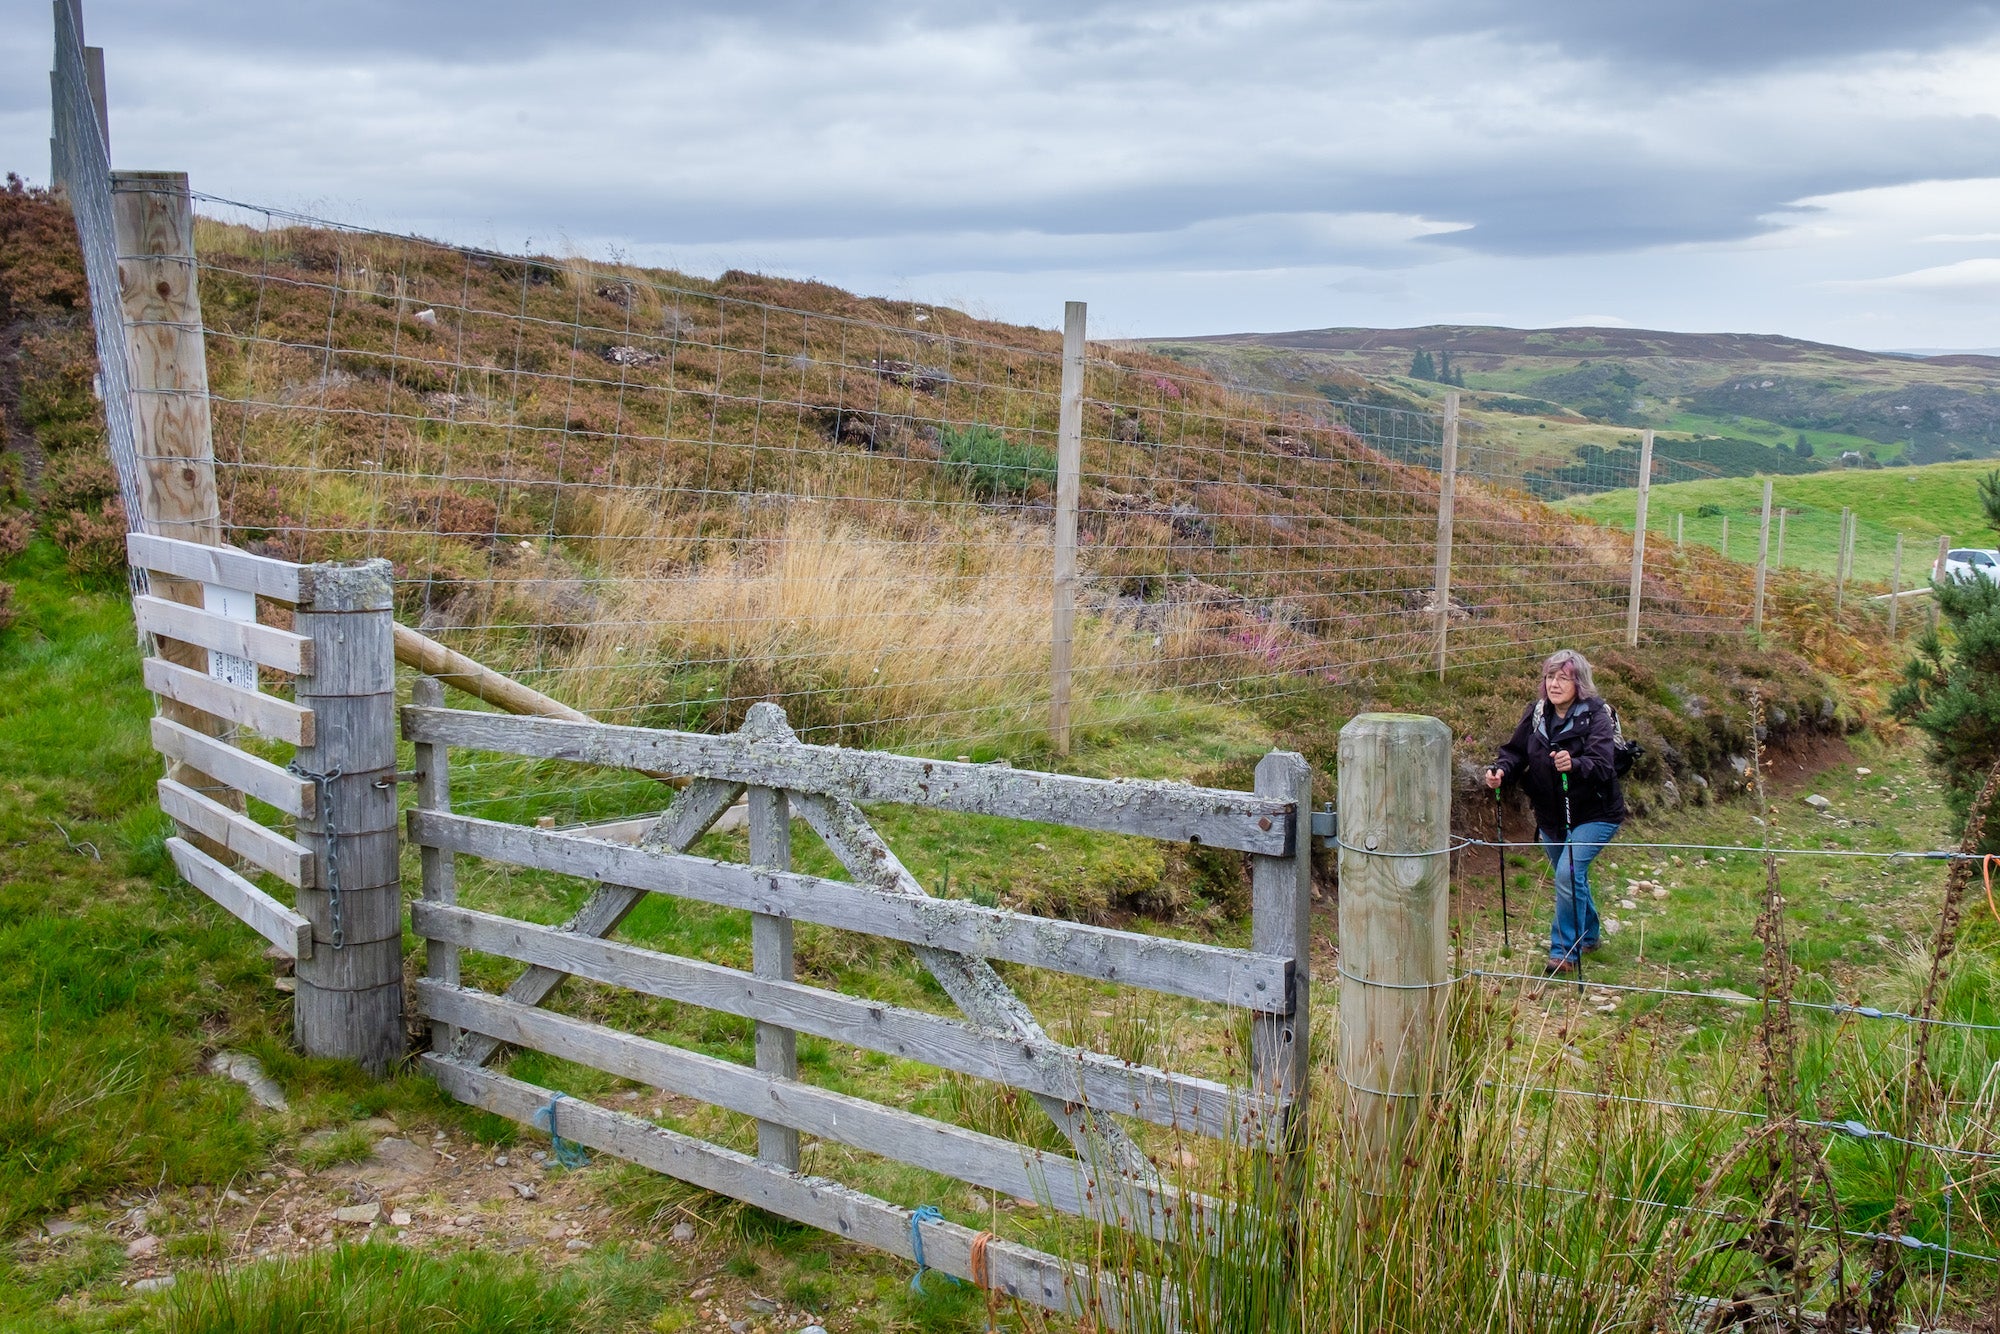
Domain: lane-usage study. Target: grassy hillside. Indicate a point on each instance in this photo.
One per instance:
(1743, 403)
(666, 497)
(791, 501)
(1919, 503)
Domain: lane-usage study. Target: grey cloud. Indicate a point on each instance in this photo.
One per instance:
(1718, 36)
(602, 160)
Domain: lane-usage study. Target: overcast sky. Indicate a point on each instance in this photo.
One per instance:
(1823, 168)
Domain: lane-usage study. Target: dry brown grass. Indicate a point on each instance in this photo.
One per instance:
(928, 631)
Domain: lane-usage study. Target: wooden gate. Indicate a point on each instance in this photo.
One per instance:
(1108, 1178)
(334, 841)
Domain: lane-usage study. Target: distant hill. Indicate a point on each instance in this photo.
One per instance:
(1734, 404)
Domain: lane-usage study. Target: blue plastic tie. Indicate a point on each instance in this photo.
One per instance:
(566, 1153)
(927, 1213)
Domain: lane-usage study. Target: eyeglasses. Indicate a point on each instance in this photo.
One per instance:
(1560, 674)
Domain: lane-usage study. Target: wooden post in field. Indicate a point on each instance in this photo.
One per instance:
(1680, 535)
(1725, 536)
(1447, 490)
(160, 307)
(1938, 575)
(1895, 585)
(771, 957)
(1763, 555)
(1069, 468)
(1395, 826)
(1778, 561)
(440, 866)
(350, 996)
(1840, 559)
(153, 215)
(1639, 538)
(1280, 924)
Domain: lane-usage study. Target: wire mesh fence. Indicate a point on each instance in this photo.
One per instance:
(662, 500)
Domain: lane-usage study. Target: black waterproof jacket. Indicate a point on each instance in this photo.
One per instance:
(1586, 733)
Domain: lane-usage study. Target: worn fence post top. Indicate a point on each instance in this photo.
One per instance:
(362, 586)
(1362, 723)
(766, 721)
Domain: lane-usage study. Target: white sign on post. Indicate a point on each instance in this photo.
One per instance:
(237, 605)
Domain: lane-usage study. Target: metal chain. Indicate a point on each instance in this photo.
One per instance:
(330, 845)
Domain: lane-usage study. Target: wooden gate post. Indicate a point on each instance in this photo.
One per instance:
(1280, 924)
(1447, 493)
(440, 866)
(350, 992)
(771, 957)
(1069, 483)
(1639, 538)
(1395, 877)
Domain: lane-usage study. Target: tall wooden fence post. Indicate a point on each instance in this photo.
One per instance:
(1639, 538)
(1938, 571)
(350, 992)
(1763, 556)
(1680, 532)
(1395, 879)
(1069, 481)
(1840, 559)
(152, 215)
(1725, 536)
(1895, 586)
(1280, 924)
(1447, 493)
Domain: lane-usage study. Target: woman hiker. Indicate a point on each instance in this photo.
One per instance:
(1567, 733)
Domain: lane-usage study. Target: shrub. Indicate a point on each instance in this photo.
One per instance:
(1953, 692)
(76, 480)
(16, 528)
(990, 465)
(93, 544)
(1708, 511)
(6, 605)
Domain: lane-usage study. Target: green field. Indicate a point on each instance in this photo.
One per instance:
(1827, 445)
(1919, 503)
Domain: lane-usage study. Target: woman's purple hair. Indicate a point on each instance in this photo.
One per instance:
(1578, 667)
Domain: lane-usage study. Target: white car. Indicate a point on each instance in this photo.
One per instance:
(1967, 563)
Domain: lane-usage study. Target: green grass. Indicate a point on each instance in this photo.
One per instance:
(1919, 503)
(386, 1289)
(991, 465)
(117, 982)
(1827, 445)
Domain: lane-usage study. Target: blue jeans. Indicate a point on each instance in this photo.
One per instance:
(1575, 928)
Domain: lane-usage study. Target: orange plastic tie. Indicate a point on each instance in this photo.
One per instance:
(981, 1275)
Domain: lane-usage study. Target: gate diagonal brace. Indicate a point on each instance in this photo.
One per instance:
(972, 983)
(699, 805)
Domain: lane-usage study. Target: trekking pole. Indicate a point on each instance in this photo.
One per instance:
(1500, 860)
(1575, 909)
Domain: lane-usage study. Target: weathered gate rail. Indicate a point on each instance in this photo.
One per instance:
(1108, 1180)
